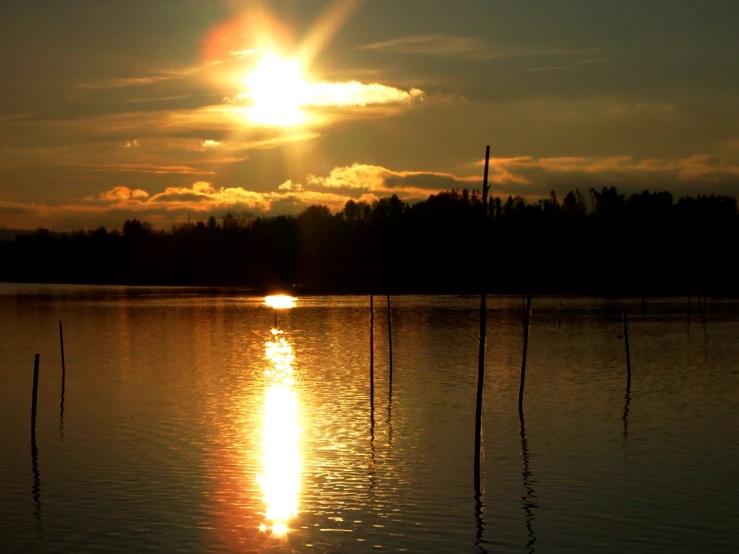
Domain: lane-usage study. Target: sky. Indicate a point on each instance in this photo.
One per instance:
(164, 109)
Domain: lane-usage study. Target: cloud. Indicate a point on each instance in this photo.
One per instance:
(575, 64)
(476, 48)
(246, 53)
(355, 93)
(123, 193)
(154, 77)
(698, 174)
(351, 94)
(549, 68)
(264, 144)
(210, 143)
(533, 177)
(289, 185)
(372, 178)
(149, 168)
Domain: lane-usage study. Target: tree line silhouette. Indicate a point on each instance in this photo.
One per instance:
(601, 242)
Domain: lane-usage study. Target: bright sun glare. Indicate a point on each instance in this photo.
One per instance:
(277, 89)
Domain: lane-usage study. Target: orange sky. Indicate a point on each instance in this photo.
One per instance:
(156, 110)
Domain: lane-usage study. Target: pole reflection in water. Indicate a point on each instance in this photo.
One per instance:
(36, 487)
(280, 478)
(373, 460)
(529, 499)
(61, 414)
(479, 524)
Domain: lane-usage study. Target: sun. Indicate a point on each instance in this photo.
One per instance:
(278, 90)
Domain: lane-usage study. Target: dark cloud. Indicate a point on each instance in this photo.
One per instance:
(430, 181)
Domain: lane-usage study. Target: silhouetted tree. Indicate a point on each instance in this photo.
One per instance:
(642, 243)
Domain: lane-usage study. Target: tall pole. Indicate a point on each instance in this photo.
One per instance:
(34, 401)
(64, 378)
(483, 316)
(372, 356)
(390, 340)
(628, 352)
(61, 344)
(527, 319)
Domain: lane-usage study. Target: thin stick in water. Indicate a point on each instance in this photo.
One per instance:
(483, 321)
(372, 355)
(628, 352)
(34, 400)
(390, 340)
(61, 344)
(64, 378)
(527, 319)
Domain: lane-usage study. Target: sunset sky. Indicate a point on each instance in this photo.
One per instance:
(156, 108)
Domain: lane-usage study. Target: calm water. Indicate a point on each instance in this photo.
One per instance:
(189, 425)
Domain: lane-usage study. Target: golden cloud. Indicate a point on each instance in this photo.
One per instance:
(123, 193)
(210, 143)
(380, 179)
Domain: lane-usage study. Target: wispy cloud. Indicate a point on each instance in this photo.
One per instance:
(17, 116)
(476, 48)
(152, 78)
(571, 65)
(549, 68)
(148, 168)
(698, 174)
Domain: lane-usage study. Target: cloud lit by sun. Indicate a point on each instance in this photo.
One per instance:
(279, 94)
(270, 72)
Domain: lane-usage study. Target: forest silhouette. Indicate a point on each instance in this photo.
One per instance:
(601, 242)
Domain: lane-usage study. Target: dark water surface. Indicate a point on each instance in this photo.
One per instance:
(188, 425)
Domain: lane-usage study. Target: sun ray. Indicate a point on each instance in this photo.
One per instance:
(326, 27)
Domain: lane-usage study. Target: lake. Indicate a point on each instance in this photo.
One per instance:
(189, 423)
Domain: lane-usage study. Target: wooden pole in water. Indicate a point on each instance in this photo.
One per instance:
(628, 353)
(559, 319)
(483, 321)
(34, 400)
(527, 319)
(64, 378)
(372, 354)
(390, 339)
(61, 344)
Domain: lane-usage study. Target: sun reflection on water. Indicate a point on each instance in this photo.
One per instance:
(280, 301)
(280, 477)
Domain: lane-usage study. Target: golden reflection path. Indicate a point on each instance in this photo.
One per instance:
(280, 477)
